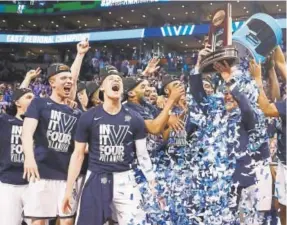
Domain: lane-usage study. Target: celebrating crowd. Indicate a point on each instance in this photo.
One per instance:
(118, 152)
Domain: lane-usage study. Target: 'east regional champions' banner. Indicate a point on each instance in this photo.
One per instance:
(156, 32)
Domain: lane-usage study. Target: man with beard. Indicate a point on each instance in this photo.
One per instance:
(155, 124)
(49, 125)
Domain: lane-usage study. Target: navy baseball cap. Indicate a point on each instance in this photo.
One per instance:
(167, 79)
(130, 84)
(18, 93)
(81, 86)
(107, 71)
(57, 68)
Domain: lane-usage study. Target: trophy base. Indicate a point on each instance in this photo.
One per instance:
(228, 54)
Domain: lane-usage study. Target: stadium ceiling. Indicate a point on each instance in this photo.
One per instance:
(138, 16)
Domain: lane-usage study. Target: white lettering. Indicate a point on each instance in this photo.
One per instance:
(106, 3)
(15, 38)
(71, 37)
(17, 155)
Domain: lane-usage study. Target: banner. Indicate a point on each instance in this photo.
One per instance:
(109, 3)
(166, 31)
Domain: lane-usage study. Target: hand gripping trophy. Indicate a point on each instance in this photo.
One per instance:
(220, 40)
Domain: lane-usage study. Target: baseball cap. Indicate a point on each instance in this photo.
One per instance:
(18, 93)
(57, 68)
(80, 87)
(130, 84)
(167, 79)
(107, 71)
(92, 87)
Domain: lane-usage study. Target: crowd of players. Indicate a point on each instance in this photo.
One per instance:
(119, 153)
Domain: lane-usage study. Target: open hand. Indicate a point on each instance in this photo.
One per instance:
(32, 74)
(31, 172)
(66, 204)
(176, 123)
(224, 70)
(203, 53)
(177, 92)
(255, 70)
(152, 66)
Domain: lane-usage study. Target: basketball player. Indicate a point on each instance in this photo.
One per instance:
(116, 136)
(12, 185)
(82, 97)
(277, 109)
(93, 94)
(49, 125)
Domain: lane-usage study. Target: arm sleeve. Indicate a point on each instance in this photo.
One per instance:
(139, 130)
(83, 128)
(247, 114)
(34, 109)
(281, 107)
(144, 159)
(197, 91)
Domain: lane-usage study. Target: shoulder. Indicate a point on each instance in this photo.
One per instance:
(134, 114)
(88, 116)
(40, 102)
(281, 107)
(90, 111)
(5, 117)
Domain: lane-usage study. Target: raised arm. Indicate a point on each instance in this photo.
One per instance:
(197, 91)
(195, 80)
(269, 109)
(82, 48)
(274, 84)
(30, 75)
(247, 113)
(280, 62)
(152, 67)
(157, 125)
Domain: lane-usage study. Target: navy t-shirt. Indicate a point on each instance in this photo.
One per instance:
(281, 152)
(111, 138)
(53, 138)
(11, 152)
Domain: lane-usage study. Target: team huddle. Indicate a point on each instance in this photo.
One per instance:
(111, 154)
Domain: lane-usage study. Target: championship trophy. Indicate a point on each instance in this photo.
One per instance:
(257, 37)
(220, 39)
